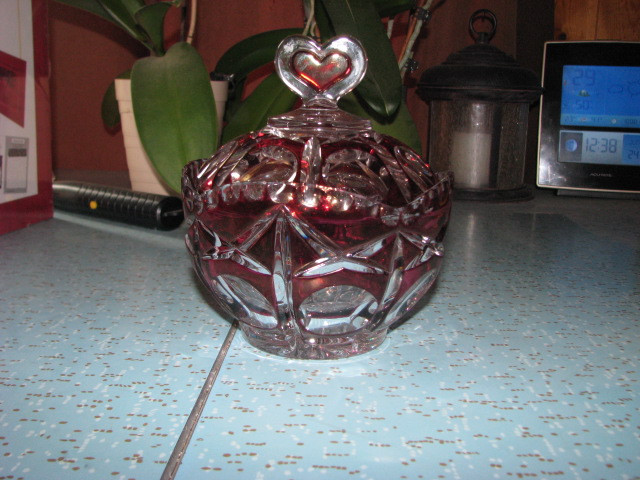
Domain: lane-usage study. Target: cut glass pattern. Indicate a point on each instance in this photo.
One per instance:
(316, 233)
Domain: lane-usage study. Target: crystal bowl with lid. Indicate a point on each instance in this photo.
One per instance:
(316, 232)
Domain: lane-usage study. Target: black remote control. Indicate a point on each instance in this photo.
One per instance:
(137, 208)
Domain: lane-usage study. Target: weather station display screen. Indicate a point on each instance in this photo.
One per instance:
(595, 97)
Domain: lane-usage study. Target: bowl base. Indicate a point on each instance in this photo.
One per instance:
(313, 347)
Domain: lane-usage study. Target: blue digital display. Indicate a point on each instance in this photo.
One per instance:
(599, 147)
(600, 96)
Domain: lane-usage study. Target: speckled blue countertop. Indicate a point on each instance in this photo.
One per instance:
(523, 362)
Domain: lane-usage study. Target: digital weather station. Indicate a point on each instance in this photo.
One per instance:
(590, 117)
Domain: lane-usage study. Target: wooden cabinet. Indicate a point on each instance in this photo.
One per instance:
(597, 20)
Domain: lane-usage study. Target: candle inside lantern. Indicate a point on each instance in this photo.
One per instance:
(470, 145)
(470, 159)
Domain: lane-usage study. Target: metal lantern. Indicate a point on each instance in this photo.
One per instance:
(479, 101)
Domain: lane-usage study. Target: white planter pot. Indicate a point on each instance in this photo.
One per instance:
(142, 175)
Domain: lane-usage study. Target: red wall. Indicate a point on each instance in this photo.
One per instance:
(87, 53)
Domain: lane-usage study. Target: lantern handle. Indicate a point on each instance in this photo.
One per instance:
(483, 14)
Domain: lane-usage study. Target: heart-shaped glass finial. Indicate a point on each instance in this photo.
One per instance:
(321, 73)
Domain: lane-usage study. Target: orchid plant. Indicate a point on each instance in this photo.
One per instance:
(380, 96)
(173, 103)
(172, 100)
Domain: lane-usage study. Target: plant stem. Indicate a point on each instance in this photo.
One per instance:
(412, 34)
(311, 20)
(192, 20)
(390, 27)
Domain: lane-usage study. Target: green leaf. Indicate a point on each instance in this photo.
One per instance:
(385, 9)
(323, 22)
(271, 97)
(174, 110)
(132, 6)
(118, 12)
(121, 15)
(151, 19)
(245, 57)
(382, 86)
(109, 108)
(91, 6)
(234, 98)
(252, 53)
(400, 126)
(391, 8)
